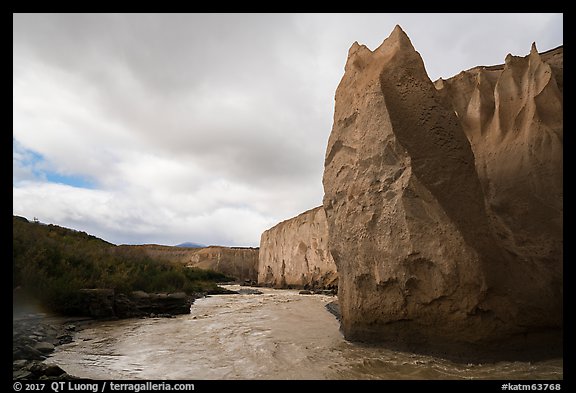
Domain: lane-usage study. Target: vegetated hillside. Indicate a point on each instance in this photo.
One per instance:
(52, 263)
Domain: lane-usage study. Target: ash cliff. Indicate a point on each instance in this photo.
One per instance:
(444, 203)
(238, 262)
(294, 253)
(512, 116)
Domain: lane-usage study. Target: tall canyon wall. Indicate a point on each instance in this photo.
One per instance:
(512, 116)
(237, 262)
(294, 253)
(444, 203)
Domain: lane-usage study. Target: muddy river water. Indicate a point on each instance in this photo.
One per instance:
(277, 335)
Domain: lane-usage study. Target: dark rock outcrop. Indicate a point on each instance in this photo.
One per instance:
(427, 261)
(140, 303)
(334, 308)
(105, 303)
(34, 338)
(97, 303)
(36, 370)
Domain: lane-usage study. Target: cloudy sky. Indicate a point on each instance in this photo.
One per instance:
(165, 128)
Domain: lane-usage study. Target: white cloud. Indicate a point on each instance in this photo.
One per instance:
(208, 128)
(133, 217)
(23, 164)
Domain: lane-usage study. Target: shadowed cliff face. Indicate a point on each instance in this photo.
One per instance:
(413, 217)
(294, 253)
(512, 116)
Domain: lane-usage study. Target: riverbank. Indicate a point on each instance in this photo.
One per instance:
(35, 336)
(36, 332)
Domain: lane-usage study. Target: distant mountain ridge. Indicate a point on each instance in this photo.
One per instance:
(190, 245)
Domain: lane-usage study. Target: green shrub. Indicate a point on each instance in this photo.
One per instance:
(53, 263)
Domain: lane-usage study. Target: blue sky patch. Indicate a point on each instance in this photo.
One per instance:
(29, 164)
(71, 180)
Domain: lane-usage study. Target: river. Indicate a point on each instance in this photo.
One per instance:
(277, 335)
